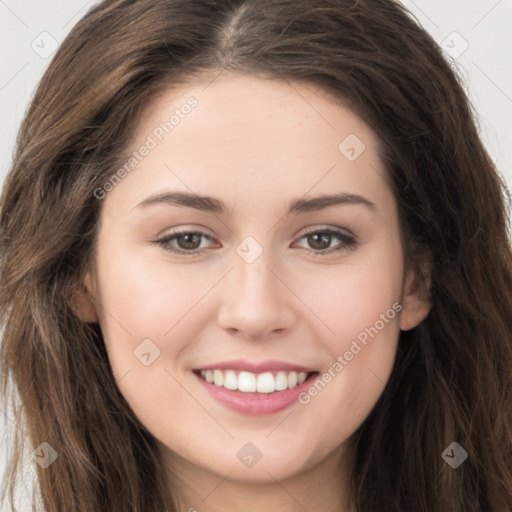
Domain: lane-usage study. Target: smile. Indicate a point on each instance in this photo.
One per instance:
(255, 389)
(249, 382)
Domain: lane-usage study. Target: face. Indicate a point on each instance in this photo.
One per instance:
(249, 278)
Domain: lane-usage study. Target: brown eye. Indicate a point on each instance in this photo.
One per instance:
(325, 241)
(186, 242)
(189, 241)
(319, 240)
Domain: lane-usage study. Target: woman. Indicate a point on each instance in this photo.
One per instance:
(254, 256)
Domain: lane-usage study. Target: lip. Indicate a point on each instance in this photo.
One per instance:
(256, 404)
(261, 367)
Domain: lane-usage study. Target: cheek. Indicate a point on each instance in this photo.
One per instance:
(355, 296)
(148, 306)
(361, 306)
(149, 317)
(147, 296)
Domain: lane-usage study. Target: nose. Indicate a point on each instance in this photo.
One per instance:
(255, 302)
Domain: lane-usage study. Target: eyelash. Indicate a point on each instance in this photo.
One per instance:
(348, 242)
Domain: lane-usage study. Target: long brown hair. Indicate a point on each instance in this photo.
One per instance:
(452, 380)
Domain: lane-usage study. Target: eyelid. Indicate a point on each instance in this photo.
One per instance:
(325, 227)
(183, 228)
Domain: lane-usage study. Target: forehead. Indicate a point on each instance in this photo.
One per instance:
(241, 136)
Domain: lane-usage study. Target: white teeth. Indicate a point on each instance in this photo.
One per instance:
(281, 381)
(218, 377)
(249, 382)
(266, 383)
(230, 380)
(246, 382)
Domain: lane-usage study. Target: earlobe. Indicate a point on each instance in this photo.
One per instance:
(83, 301)
(416, 303)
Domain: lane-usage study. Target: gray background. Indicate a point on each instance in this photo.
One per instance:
(476, 33)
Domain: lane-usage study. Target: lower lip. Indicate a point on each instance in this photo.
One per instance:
(256, 404)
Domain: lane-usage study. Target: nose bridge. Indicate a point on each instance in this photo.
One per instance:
(251, 277)
(254, 301)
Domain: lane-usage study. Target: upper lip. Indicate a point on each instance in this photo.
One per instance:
(257, 367)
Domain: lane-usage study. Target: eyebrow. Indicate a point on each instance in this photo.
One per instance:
(212, 205)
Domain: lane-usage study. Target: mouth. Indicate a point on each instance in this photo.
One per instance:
(249, 382)
(255, 393)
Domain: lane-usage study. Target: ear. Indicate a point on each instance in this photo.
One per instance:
(83, 301)
(416, 301)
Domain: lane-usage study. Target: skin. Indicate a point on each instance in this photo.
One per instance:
(257, 145)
